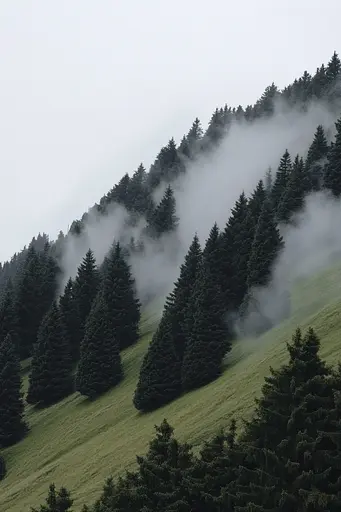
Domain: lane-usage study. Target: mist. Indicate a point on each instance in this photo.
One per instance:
(206, 193)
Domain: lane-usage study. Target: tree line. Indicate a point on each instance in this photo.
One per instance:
(285, 457)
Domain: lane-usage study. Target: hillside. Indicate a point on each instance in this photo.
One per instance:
(78, 444)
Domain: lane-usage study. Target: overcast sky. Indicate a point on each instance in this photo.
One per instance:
(89, 89)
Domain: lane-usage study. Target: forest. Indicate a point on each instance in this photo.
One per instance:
(286, 457)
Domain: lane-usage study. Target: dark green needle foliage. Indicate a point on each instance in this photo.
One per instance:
(118, 289)
(12, 425)
(332, 176)
(69, 315)
(100, 366)
(56, 501)
(160, 375)
(209, 338)
(51, 378)
(84, 290)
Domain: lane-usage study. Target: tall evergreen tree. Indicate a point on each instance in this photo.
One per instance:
(160, 374)
(12, 425)
(28, 305)
(163, 219)
(177, 302)
(212, 253)
(100, 366)
(118, 288)
(316, 159)
(50, 379)
(69, 316)
(8, 316)
(332, 176)
(281, 179)
(236, 241)
(209, 338)
(292, 199)
(266, 246)
(85, 289)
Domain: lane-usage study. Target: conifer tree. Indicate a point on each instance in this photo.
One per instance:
(236, 240)
(100, 366)
(28, 304)
(50, 379)
(163, 219)
(178, 301)
(85, 289)
(56, 501)
(118, 288)
(281, 179)
(292, 199)
(12, 425)
(8, 316)
(69, 317)
(266, 246)
(316, 157)
(160, 374)
(209, 338)
(212, 253)
(332, 176)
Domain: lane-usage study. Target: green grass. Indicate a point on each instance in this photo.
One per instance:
(78, 443)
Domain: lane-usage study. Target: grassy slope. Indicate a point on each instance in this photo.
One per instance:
(78, 444)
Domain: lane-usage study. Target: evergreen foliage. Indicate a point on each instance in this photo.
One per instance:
(100, 366)
(163, 219)
(316, 159)
(281, 180)
(208, 339)
(12, 424)
(118, 289)
(160, 375)
(56, 501)
(50, 378)
(3, 469)
(298, 186)
(332, 176)
(266, 246)
(70, 320)
(85, 289)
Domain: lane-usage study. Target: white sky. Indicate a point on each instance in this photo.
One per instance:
(89, 89)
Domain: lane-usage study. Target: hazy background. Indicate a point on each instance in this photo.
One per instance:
(90, 89)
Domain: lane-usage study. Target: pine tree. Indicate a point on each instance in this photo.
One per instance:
(50, 379)
(100, 366)
(281, 179)
(85, 289)
(8, 316)
(69, 317)
(118, 288)
(292, 199)
(236, 240)
(12, 425)
(160, 374)
(332, 176)
(28, 304)
(163, 219)
(316, 159)
(209, 338)
(266, 246)
(212, 253)
(56, 501)
(177, 302)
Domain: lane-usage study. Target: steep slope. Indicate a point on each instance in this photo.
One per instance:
(78, 444)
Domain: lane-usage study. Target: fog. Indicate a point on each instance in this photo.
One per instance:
(206, 194)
